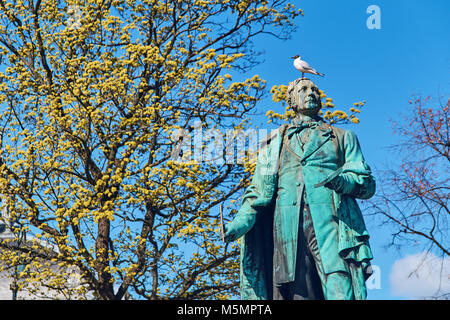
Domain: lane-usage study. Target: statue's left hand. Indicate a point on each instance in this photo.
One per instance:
(337, 184)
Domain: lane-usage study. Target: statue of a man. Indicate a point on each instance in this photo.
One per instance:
(303, 233)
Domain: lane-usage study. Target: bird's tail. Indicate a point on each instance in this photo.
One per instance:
(320, 74)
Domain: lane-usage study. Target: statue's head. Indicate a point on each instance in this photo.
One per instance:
(303, 97)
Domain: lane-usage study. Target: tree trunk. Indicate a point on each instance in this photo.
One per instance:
(105, 288)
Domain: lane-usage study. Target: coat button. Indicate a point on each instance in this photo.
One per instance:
(297, 184)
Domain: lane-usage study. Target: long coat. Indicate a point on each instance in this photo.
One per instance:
(330, 152)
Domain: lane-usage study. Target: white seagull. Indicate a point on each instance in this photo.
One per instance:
(304, 67)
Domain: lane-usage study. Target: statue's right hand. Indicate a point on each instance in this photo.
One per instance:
(229, 235)
(238, 227)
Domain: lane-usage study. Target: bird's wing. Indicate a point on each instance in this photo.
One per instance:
(305, 65)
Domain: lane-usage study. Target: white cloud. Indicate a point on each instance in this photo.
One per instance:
(420, 275)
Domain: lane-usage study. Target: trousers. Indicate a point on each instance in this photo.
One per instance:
(311, 282)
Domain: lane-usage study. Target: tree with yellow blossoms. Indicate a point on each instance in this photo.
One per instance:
(91, 95)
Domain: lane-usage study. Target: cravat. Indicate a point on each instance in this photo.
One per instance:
(296, 128)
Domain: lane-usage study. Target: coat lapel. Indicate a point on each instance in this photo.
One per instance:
(315, 141)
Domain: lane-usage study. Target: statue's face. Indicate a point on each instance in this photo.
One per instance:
(308, 97)
(304, 97)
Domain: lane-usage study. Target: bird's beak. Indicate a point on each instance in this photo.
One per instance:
(292, 57)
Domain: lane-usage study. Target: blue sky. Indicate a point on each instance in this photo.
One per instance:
(409, 55)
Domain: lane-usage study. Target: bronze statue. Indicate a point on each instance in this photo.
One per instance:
(303, 233)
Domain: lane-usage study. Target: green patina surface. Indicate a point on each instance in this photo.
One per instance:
(273, 201)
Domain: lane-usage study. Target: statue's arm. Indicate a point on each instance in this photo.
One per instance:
(242, 223)
(356, 178)
(246, 216)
